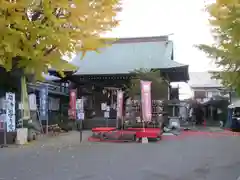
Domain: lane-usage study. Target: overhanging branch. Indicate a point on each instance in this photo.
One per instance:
(48, 51)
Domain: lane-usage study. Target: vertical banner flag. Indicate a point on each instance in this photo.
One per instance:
(146, 100)
(119, 104)
(72, 104)
(24, 99)
(10, 112)
(44, 103)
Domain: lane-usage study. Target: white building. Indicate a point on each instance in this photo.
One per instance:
(204, 87)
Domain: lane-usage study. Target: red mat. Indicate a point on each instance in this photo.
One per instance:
(183, 135)
(107, 129)
(103, 129)
(144, 129)
(93, 139)
(186, 134)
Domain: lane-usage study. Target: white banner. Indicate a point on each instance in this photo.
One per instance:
(32, 102)
(10, 112)
(80, 109)
(80, 104)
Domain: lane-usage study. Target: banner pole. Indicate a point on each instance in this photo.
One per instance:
(5, 134)
(5, 126)
(81, 131)
(47, 126)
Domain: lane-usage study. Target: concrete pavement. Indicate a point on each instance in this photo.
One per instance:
(194, 158)
(64, 139)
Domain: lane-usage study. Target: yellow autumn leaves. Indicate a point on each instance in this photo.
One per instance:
(226, 2)
(35, 34)
(225, 52)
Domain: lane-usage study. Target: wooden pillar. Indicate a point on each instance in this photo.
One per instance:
(211, 112)
(169, 91)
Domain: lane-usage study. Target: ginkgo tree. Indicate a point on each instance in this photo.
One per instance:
(35, 34)
(225, 52)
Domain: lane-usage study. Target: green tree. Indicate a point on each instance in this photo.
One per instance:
(159, 87)
(36, 33)
(225, 52)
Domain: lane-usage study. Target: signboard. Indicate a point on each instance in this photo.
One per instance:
(146, 100)
(119, 104)
(72, 104)
(44, 103)
(106, 114)
(10, 112)
(80, 109)
(80, 115)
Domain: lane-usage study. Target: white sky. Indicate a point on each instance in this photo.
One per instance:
(185, 19)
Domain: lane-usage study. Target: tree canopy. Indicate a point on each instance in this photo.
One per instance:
(34, 34)
(159, 88)
(225, 52)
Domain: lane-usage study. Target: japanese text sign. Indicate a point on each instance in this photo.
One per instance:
(10, 112)
(44, 103)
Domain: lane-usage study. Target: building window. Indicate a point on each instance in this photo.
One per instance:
(199, 94)
(64, 87)
(210, 94)
(216, 93)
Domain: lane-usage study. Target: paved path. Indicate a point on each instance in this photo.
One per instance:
(195, 158)
(64, 139)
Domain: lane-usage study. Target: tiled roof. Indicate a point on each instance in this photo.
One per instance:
(203, 80)
(127, 55)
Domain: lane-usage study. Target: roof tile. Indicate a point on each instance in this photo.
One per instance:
(126, 56)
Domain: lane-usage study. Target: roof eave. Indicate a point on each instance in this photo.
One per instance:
(141, 39)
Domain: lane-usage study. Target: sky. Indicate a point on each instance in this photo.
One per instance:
(185, 20)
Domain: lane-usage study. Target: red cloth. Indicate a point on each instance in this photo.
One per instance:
(103, 129)
(148, 134)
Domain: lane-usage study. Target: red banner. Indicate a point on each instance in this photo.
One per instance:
(72, 104)
(119, 104)
(146, 100)
(1, 125)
